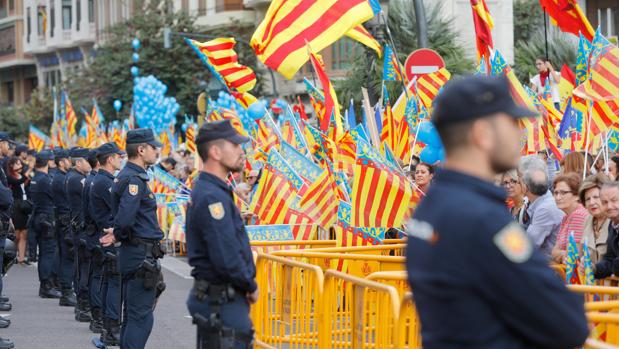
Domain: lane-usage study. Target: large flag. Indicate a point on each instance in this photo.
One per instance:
(603, 81)
(332, 107)
(290, 25)
(483, 27)
(219, 56)
(37, 138)
(70, 116)
(360, 34)
(273, 197)
(320, 201)
(568, 16)
(428, 86)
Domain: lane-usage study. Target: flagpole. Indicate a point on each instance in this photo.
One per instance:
(545, 31)
(590, 111)
(395, 53)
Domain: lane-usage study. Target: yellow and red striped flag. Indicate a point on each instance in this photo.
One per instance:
(346, 154)
(603, 81)
(483, 27)
(332, 107)
(36, 138)
(71, 117)
(428, 86)
(273, 197)
(280, 39)
(245, 99)
(220, 57)
(389, 131)
(190, 138)
(380, 197)
(360, 34)
(165, 140)
(320, 201)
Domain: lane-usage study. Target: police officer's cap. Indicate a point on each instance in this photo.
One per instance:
(79, 152)
(474, 97)
(4, 137)
(223, 129)
(109, 148)
(60, 153)
(142, 135)
(45, 155)
(21, 148)
(92, 155)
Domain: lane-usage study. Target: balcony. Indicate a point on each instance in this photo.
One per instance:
(224, 12)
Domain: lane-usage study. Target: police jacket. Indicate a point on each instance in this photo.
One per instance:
(217, 243)
(41, 193)
(61, 203)
(135, 206)
(74, 184)
(101, 205)
(478, 282)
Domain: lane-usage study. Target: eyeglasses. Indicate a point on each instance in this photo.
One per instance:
(509, 182)
(561, 192)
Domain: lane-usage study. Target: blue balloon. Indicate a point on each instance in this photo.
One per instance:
(117, 105)
(135, 43)
(431, 154)
(256, 110)
(135, 57)
(429, 135)
(135, 71)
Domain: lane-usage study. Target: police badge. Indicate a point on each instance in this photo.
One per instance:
(133, 189)
(217, 210)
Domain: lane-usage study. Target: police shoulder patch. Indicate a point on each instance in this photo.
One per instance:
(513, 242)
(217, 210)
(82, 181)
(133, 189)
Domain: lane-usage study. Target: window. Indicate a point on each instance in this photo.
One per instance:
(342, 54)
(52, 18)
(201, 7)
(66, 14)
(607, 19)
(10, 93)
(11, 5)
(28, 24)
(91, 11)
(3, 9)
(41, 21)
(78, 13)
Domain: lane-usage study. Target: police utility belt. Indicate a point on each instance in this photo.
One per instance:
(150, 270)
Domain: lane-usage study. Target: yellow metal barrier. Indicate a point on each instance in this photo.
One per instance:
(382, 250)
(595, 344)
(559, 269)
(409, 327)
(610, 323)
(360, 265)
(287, 313)
(596, 293)
(358, 313)
(397, 279)
(271, 246)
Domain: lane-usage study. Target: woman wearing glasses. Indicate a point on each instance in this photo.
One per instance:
(565, 192)
(596, 225)
(517, 201)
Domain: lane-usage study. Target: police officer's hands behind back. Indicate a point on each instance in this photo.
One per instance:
(108, 239)
(252, 298)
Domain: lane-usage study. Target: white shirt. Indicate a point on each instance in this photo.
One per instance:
(554, 87)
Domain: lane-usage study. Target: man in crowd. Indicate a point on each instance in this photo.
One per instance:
(609, 265)
(544, 215)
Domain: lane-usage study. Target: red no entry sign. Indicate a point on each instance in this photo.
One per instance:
(422, 61)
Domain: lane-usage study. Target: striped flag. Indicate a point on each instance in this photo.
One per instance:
(36, 138)
(70, 116)
(281, 37)
(332, 107)
(483, 27)
(219, 56)
(346, 154)
(428, 85)
(360, 34)
(190, 137)
(603, 81)
(245, 99)
(273, 197)
(568, 16)
(320, 201)
(380, 197)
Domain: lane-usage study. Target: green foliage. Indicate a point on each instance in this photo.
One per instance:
(38, 111)
(367, 68)
(108, 76)
(528, 19)
(562, 49)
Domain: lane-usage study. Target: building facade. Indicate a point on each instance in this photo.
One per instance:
(17, 69)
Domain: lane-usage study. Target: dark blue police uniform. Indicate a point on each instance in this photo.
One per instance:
(136, 227)
(218, 249)
(65, 256)
(478, 281)
(6, 203)
(74, 185)
(42, 225)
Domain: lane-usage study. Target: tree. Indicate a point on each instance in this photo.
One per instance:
(37, 111)
(528, 19)
(108, 76)
(367, 68)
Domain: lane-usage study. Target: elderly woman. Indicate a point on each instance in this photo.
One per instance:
(515, 193)
(596, 224)
(565, 192)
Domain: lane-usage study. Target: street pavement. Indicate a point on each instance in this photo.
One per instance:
(38, 323)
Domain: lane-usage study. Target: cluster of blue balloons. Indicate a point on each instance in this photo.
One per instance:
(434, 150)
(227, 101)
(151, 107)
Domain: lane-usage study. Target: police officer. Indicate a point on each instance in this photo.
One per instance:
(218, 246)
(88, 241)
(65, 256)
(136, 227)
(74, 185)
(6, 202)
(478, 280)
(42, 222)
(101, 208)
